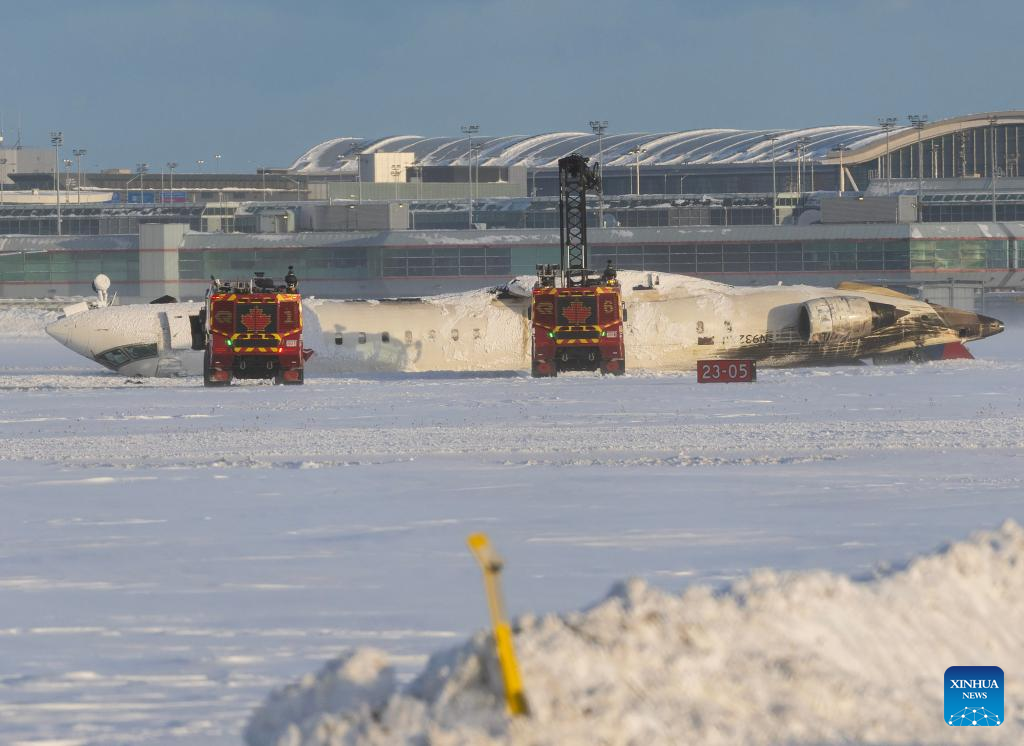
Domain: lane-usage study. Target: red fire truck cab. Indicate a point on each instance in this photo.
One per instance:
(254, 330)
(577, 328)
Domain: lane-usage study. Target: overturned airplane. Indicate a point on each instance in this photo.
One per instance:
(670, 324)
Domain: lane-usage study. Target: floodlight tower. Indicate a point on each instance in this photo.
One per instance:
(469, 130)
(637, 152)
(396, 171)
(887, 124)
(773, 138)
(993, 120)
(67, 179)
(599, 126)
(57, 139)
(78, 153)
(841, 148)
(918, 121)
(801, 149)
(141, 169)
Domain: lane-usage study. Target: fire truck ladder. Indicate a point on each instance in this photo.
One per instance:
(575, 177)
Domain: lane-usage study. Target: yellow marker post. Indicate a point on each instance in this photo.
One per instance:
(491, 565)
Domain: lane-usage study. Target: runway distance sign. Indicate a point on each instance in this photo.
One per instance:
(726, 371)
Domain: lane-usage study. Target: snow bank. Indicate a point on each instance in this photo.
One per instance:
(775, 659)
(25, 321)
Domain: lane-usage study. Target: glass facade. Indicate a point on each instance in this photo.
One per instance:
(41, 220)
(770, 257)
(465, 262)
(315, 263)
(121, 266)
(820, 255)
(986, 254)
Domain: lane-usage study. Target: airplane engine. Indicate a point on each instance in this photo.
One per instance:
(843, 319)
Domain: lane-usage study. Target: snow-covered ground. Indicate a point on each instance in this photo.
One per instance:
(169, 553)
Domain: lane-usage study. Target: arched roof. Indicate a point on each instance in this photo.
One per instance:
(704, 146)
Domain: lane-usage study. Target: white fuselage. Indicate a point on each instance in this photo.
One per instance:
(668, 327)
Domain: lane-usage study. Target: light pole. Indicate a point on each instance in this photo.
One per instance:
(359, 174)
(396, 171)
(78, 153)
(842, 171)
(993, 120)
(67, 179)
(474, 153)
(171, 165)
(297, 184)
(141, 169)
(599, 126)
(3, 177)
(419, 175)
(801, 146)
(57, 139)
(887, 124)
(918, 121)
(216, 160)
(637, 152)
(775, 189)
(469, 130)
(995, 173)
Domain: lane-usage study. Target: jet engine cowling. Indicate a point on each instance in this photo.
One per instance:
(841, 318)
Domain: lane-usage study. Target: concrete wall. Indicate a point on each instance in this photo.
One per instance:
(27, 160)
(377, 167)
(361, 216)
(352, 190)
(901, 209)
(158, 258)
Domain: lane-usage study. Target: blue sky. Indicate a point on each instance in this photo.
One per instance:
(259, 82)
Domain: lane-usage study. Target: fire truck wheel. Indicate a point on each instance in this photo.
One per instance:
(536, 372)
(207, 373)
(618, 371)
(279, 379)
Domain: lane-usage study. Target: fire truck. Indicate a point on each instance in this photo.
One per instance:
(576, 314)
(253, 329)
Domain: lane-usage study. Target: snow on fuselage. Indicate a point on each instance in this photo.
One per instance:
(668, 327)
(135, 340)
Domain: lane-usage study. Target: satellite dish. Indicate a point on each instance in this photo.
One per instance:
(101, 283)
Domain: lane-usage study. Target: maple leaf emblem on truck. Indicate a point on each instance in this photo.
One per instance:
(256, 320)
(576, 312)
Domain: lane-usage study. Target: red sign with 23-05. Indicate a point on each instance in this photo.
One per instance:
(726, 371)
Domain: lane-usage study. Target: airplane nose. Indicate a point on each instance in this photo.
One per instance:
(68, 333)
(60, 330)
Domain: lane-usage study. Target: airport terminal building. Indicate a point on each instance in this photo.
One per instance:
(936, 207)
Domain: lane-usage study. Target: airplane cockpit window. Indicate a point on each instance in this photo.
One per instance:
(141, 352)
(118, 356)
(113, 359)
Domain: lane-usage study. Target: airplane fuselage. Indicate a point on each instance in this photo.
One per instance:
(667, 327)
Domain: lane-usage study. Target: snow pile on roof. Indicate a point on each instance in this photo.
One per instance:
(25, 321)
(801, 658)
